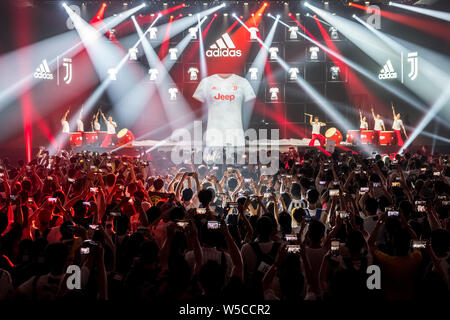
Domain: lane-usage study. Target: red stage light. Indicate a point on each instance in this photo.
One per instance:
(171, 17)
(180, 15)
(241, 17)
(265, 4)
(350, 4)
(215, 14)
(290, 14)
(104, 4)
(184, 4)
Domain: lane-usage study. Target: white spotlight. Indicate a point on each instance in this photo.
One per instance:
(159, 15)
(278, 16)
(354, 15)
(234, 15)
(390, 3)
(144, 4)
(305, 3)
(224, 5)
(64, 4)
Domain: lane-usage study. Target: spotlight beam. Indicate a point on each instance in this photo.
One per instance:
(367, 74)
(429, 116)
(8, 94)
(317, 97)
(432, 13)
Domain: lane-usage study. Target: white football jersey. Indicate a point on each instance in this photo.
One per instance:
(293, 72)
(253, 73)
(253, 33)
(132, 52)
(153, 74)
(274, 93)
(273, 52)
(193, 32)
(293, 33)
(334, 33)
(314, 50)
(173, 93)
(193, 74)
(173, 53)
(224, 98)
(152, 31)
(334, 70)
(112, 74)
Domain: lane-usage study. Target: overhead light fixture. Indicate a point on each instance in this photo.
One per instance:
(190, 14)
(225, 14)
(297, 14)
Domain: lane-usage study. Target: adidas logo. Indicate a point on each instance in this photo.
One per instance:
(388, 71)
(224, 47)
(43, 71)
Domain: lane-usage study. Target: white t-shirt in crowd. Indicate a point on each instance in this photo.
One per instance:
(110, 127)
(193, 74)
(173, 53)
(133, 53)
(97, 126)
(80, 125)
(253, 73)
(293, 72)
(334, 70)
(293, 33)
(378, 125)
(316, 128)
(153, 74)
(396, 125)
(253, 33)
(274, 93)
(224, 98)
(314, 52)
(273, 52)
(173, 93)
(364, 125)
(193, 32)
(65, 126)
(152, 32)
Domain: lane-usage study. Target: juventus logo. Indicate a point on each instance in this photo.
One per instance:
(67, 64)
(414, 63)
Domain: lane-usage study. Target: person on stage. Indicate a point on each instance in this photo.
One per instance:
(65, 123)
(363, 122)
(80, 125)
(378, 125)
(316, 125)
(110, 128)
(396, 126)
(97, 126)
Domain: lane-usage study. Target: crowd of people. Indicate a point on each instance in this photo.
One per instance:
(223, 232)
